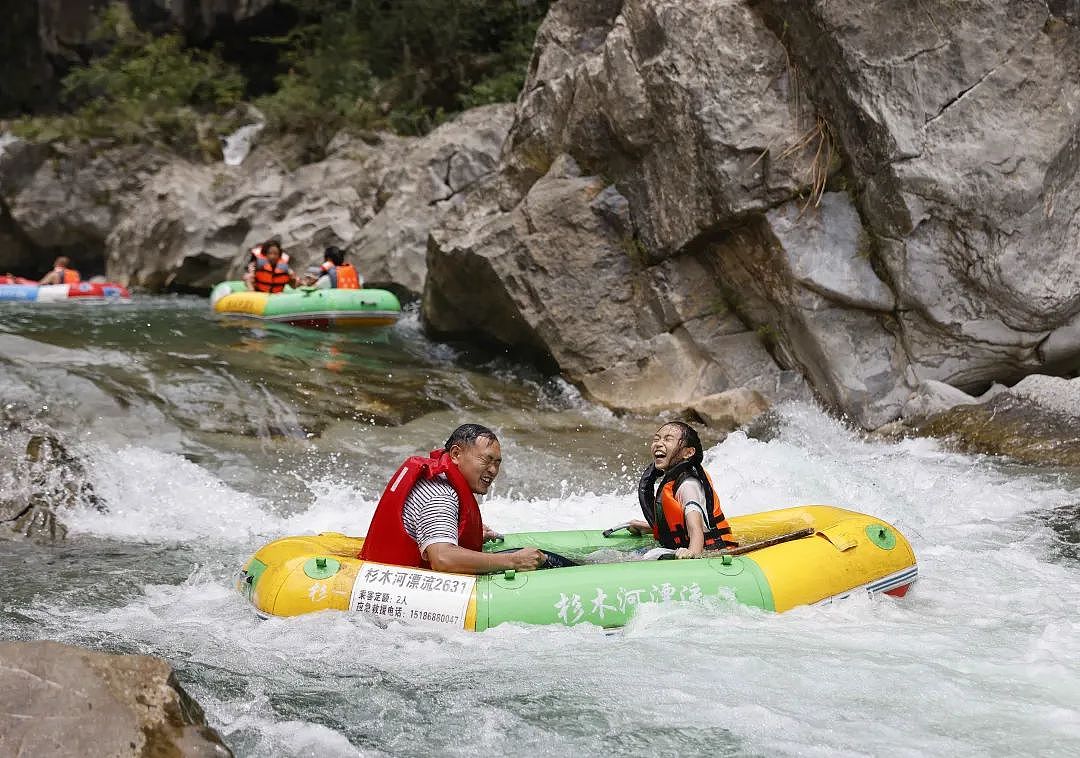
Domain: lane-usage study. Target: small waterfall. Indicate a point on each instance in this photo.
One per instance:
(239, 143)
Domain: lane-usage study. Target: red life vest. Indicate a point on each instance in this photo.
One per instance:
(388, 542)
(271, 278)
(665, 513)
(345, 277)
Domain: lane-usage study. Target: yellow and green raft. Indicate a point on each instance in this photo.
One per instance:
(308, 306)
(842, 553)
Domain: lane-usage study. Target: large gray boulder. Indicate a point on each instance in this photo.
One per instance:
(688, 107)
(562, 275)
(59, 700)
(191, 225)
(882, 211)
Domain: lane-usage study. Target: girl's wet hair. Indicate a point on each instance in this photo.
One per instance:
(468, 434)
(690, 438)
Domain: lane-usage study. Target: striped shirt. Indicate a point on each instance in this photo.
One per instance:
(430, 513)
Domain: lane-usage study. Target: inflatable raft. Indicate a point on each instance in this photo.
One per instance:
(83, 292)
(807, 555)
(309, 307)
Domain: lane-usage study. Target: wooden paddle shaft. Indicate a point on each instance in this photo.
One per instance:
(764, 543)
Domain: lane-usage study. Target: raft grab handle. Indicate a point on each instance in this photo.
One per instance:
(617, 528)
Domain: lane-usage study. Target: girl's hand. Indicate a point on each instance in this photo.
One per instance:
(685, 552)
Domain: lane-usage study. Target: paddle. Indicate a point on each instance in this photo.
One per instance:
(778, 539)
(807, 532)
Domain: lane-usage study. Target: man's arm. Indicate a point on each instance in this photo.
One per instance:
(444, 556)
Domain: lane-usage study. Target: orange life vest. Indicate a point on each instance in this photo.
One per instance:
(271, 278)
(665, 513)
(67, 276)
(345, 277)
(387, 541)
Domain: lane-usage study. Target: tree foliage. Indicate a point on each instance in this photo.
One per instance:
(404, 65)
(143, 87)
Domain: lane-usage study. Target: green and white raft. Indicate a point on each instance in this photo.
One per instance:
(308, 306)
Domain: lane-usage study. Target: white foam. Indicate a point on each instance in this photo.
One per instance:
(162, 497)
(982, 656)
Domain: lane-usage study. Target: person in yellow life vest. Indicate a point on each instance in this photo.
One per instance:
(61, 273)
(337, 274)
(269, 271)
(683, 512)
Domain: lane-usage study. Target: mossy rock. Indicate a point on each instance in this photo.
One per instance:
(1011, 427)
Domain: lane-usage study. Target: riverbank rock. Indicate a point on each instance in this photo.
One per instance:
(880, 211)
(60, 700)
(1037, 421)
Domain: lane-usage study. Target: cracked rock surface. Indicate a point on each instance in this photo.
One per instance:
(869, 212)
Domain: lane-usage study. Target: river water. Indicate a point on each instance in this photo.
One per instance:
(208, 439)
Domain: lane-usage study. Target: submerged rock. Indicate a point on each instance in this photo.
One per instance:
(60, 700)
(41, 478)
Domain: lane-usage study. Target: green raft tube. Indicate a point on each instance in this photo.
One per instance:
(308, 306)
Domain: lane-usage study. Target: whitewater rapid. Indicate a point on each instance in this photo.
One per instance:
(983, 656)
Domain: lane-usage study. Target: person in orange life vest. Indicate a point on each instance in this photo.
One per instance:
(337, 273)
(270, 273)
(683, 513)
(61, 273)
(427, 516)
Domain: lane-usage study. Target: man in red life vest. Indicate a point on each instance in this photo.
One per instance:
(428, 517)
(269, 271)
(61, 273)
(683, 513)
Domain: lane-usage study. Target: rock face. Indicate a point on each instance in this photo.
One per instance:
(562, 275)
(60, 700)
(875, 211)
(156, 221)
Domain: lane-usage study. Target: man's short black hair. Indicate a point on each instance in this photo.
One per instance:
(468, 434)
(334, 255)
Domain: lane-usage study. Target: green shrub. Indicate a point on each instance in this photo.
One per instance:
(406, 65)
(144, 87)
